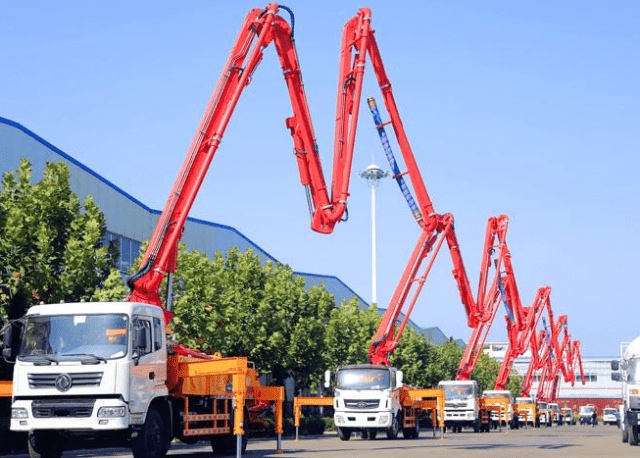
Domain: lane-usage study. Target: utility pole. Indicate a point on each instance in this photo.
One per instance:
(373, 174)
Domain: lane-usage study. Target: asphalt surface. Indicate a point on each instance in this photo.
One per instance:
(564, 441)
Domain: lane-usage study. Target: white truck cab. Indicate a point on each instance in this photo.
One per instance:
(87, 367)
(506, 418)
(367, 400)
(567, 416)
(585, 413)
(556, 414)
(544, 413)
(610, 416)
(627, 370)
(527, 404)
(461, 404)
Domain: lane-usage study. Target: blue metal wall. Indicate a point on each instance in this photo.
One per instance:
(131, 222)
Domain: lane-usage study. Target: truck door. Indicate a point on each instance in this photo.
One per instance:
(148, 370)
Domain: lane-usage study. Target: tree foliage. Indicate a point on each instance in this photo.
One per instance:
(233, 305)
(51, 246)
(348, 334)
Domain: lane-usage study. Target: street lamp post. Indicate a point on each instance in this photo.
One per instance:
(373, 174)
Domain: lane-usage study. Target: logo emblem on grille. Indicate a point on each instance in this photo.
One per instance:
(63, 382)
(362, 405)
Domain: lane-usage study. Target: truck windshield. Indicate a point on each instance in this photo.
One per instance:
(524, 400)
(363, 379)
(633, 371)
(74, 337)
(452, 392)
(498, 394)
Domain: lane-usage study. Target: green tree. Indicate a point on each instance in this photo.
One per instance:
(486, 372)
(514, 384)
(51, 247)
(348, 334)
(233, 305)
(413, 356)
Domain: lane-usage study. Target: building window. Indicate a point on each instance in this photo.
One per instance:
(129, 250)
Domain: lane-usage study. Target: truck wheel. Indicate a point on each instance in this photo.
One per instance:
(392, 431)
(45, 444)
(411, 432)
(477, 426)
(153, 440)
(344, 434)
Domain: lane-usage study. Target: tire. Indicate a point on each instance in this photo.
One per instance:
(226, 444)
(392, 431)
(344, 434)
(153, 440)
(412, 433)
(477, 426)
(45, 444)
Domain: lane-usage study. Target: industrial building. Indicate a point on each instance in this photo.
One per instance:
(131, 222)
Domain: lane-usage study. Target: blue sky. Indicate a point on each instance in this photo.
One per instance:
(530, 110)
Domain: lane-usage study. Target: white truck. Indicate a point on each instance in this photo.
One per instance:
(102, 370)
(627, 371)
(610, 416)
(527, 404)
(556, 413)
(585, 414)
(367, 400)
(506, 418)
(462, 406)
(544, 414)
(78, 372)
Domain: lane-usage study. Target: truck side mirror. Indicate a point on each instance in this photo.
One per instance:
(616, 376)
(327, 379)
(399, 377)
(615, 365)
(7, 339)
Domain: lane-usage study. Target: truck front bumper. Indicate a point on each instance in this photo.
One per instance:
(54, 414)
(459, 415)
(363, 419)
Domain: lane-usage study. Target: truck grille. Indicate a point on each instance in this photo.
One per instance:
(362, 403)
(51, 408)
(77, 379)
(454, 405)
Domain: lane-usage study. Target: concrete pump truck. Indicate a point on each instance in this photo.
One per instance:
(97, 368)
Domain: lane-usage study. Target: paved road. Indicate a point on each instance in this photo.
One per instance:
(565, 442)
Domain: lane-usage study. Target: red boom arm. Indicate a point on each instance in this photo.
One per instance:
(259, 30)
(521, 339)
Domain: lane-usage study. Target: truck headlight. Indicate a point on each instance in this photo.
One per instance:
(383, 420)
(19, 413)
(111, 412)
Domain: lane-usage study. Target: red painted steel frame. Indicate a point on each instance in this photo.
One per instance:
(259, 30)
(483, 310)
(521, 337)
